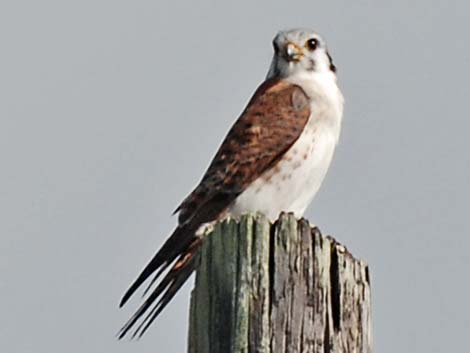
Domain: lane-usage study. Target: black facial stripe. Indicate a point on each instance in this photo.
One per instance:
(275, 69)
(311, 67)
(332, 66)
(276, 47)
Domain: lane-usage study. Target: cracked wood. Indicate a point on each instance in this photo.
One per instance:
(263, 288)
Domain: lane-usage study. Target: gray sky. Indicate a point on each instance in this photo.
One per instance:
(110, 112)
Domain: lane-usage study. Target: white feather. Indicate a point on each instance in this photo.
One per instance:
(300, 173)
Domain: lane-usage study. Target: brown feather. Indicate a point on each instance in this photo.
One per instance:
(273, 120)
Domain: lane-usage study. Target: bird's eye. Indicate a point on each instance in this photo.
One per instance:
(311, 44)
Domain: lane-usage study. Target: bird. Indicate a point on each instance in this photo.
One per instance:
(273, 159)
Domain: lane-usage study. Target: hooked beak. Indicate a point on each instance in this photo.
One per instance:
(293, 52)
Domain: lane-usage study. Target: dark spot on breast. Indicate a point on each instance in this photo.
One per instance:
(285, 177)
(268, 178)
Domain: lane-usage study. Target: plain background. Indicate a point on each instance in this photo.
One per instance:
(111, 111)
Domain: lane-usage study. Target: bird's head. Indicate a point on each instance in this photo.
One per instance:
(299, 51)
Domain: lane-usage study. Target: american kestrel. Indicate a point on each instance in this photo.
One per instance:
(273, 160)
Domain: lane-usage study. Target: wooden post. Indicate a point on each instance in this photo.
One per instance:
(263, 288)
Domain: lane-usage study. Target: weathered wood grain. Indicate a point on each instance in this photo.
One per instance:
(263, 288)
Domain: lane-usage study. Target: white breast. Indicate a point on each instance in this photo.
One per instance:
(291, 185)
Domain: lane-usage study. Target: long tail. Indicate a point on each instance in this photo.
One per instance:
(181, 250)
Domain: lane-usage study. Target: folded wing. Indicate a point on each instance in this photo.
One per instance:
(271, 123)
